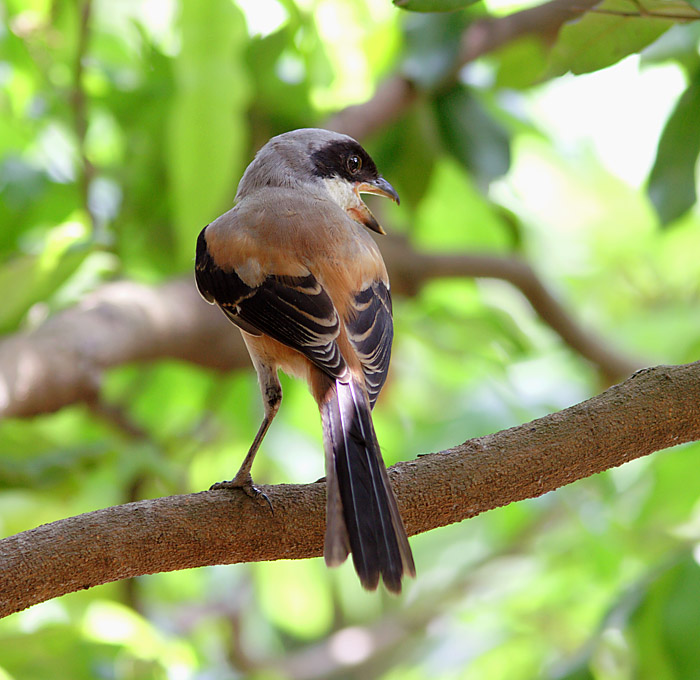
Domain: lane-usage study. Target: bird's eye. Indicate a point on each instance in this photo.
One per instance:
(354, 164)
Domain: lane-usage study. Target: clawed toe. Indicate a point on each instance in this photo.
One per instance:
(245, 485)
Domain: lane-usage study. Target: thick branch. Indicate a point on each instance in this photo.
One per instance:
(654, 409)
(411, 269)
(61, 362)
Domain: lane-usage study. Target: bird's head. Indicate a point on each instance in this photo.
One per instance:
(324, 161)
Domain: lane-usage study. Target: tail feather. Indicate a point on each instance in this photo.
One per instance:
(362, 513)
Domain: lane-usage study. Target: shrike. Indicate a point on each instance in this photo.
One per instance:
(292, 266)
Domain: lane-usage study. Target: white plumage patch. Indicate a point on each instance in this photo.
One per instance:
(343, 193)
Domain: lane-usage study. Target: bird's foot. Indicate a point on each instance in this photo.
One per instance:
(246, 485)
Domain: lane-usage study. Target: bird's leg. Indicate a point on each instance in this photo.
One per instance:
(272, 397)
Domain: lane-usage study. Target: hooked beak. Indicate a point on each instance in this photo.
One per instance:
(378, 187)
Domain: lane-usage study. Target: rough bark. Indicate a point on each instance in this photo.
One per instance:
(654, 409)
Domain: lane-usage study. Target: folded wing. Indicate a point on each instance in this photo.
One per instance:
(294, 310)
(371, 331)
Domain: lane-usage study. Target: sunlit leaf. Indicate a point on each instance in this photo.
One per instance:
(521, 63)
(40, 275)
(304, 610)
(455, 214)
(207, 132)
(611, 31)
(672, 179)
(433, 5)
(665, 623)
(265, 59)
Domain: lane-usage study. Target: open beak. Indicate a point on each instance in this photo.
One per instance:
(378, 187)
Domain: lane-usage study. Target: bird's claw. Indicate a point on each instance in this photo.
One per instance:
(245, 485)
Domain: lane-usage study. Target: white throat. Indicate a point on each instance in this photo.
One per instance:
(343, 193)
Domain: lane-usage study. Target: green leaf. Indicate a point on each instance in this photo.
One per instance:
(406, 156)
(34, 654)
(304, 611)
(265, 55)
(611, 31)
(145, 240)
(207, 134)
(64, 250)
(580, 671)
(672, 179)
(678, 44)
(479, 142)
(432, 44)
(51, 469)
(521, 63)
(454, 215)
(664, 626)
(433, 5)
(28, 198)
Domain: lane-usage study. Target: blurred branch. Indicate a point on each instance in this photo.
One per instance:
(654, 409)
(397, 94)
(412, 269)
(61, 362)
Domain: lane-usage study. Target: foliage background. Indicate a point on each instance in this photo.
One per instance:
(124, 127)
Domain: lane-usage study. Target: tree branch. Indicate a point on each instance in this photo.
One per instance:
(411, 269)
(61, 362)
(654, 409)
(397, 94)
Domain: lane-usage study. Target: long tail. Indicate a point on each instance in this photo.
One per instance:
(362, 516)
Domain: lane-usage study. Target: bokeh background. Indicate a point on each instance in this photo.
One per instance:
(124, 128)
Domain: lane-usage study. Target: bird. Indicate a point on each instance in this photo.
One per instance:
(294, 267)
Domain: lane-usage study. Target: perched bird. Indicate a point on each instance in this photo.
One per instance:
(292, 266)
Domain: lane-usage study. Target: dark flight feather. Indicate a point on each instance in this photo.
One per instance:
(358, 488)
(294, 310)
(371, 331)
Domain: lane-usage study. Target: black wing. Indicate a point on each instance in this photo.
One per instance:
(371, 331)
(294, 310)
